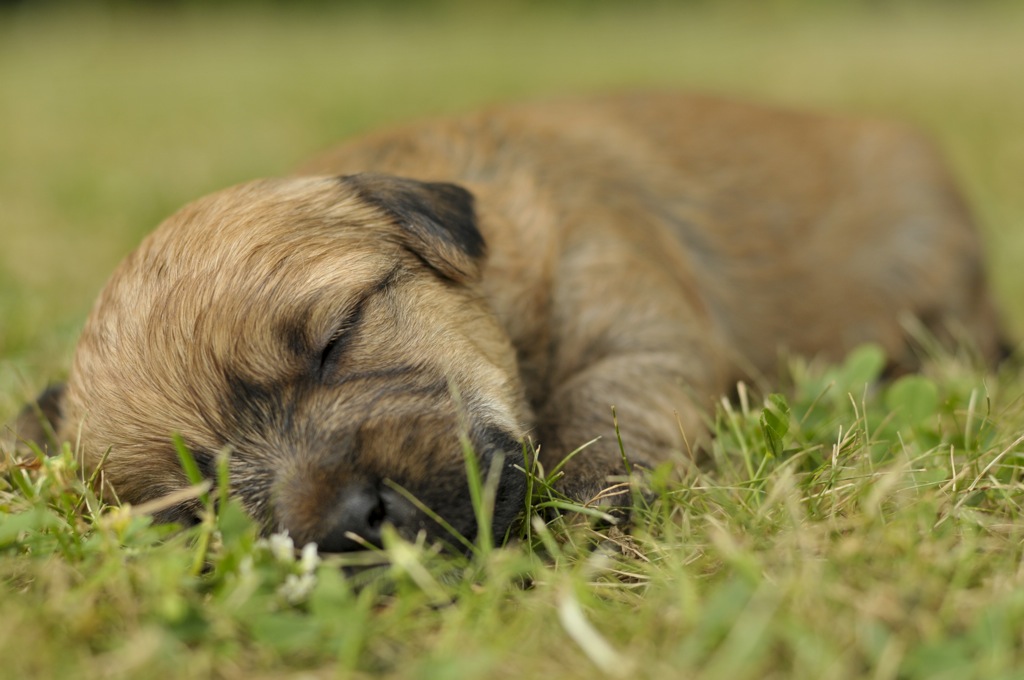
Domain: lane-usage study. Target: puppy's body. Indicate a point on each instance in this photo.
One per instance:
(642, 252)
(648, 251)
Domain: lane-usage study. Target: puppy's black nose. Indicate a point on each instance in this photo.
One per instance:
(358, 517)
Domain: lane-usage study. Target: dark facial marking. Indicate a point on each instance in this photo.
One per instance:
(187, 513)
(294, 333)
(206, 462)
(179, 514)
(247, 406)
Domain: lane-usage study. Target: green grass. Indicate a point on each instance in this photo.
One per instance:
(846, 529)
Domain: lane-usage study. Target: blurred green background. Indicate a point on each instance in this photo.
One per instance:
(113, 115)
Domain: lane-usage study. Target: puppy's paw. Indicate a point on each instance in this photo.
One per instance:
(615, 491)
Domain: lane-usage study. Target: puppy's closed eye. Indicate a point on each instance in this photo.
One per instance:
(341, 338)
(347, 328)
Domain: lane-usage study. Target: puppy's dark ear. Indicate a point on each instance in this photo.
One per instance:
(39, 421)
(438, 218)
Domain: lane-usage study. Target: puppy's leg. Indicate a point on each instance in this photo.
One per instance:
(659, 412)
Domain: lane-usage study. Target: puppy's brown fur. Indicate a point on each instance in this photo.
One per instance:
(508, 274)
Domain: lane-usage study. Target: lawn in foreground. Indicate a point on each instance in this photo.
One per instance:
(847, 531)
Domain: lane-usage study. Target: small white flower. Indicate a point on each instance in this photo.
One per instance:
(280, 546)
(310, 560)
(296, 588)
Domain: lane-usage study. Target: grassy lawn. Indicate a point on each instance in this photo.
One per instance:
(871, 531)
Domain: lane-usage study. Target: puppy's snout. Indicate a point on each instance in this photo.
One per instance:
(358, 517)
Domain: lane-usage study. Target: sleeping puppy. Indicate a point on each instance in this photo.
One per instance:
(512, 274)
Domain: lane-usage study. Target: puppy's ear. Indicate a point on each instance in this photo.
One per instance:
(39, 421)
(438, 218)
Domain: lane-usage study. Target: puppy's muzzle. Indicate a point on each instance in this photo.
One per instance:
(343, 509)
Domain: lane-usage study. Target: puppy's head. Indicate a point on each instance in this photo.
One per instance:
(329, 333)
